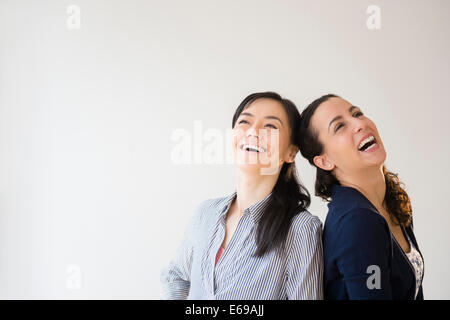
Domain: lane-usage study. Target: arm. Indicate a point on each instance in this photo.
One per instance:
(362, 254)
(305, 263)
(175, 278)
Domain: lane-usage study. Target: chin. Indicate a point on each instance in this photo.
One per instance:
(377, 160)
(256, 168)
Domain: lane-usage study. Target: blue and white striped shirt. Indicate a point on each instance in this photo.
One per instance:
(296, 272)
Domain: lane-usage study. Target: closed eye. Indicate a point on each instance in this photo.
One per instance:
(271, 126)
(338, 126)
(243, 121)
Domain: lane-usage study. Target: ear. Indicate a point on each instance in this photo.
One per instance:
(323, 162)
(291, 153)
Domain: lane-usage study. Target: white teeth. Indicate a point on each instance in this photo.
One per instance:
(370, 147)
(252, 148)
(365, 141)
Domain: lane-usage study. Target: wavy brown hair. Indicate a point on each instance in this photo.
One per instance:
(396, 199)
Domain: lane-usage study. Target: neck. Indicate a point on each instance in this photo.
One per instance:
(371, 183)
(251, 188)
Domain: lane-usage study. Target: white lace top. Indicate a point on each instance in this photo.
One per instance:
(417, 262)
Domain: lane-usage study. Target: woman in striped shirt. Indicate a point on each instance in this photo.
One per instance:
(259, 242)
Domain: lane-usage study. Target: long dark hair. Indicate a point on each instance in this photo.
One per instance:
(396, 199)
(289, 197)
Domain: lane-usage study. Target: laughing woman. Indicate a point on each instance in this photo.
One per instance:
(260, 242)
(370, 251)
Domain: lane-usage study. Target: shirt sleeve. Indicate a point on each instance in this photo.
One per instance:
(305, 263)
(362, 250)
(175, 278)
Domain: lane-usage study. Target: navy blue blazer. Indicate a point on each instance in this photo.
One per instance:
(356, 237)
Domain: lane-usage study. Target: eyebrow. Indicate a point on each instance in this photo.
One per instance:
(340, 117)
(267, 117)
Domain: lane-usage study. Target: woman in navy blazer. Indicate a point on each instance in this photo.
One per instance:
(370, 251)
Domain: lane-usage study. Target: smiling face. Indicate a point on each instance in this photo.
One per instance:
(262, 137)
(350, 139)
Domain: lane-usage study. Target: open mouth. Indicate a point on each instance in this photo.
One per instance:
(367, 144)
(252, 148)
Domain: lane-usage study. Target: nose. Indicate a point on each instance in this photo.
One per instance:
(358, 125)
(252, 132)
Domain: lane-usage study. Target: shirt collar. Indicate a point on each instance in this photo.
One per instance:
(343, 194)
(256, 210)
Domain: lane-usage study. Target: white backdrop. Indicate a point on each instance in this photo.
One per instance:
(92, 204)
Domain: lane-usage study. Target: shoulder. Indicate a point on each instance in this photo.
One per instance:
(348, 206)
(212, 204)
(305, 222)
(356, 230)
(355, 221)
(304, 238)
(211, 208)
(344, 198)
(357, 217)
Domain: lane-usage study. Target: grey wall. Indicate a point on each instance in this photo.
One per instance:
(92, 204)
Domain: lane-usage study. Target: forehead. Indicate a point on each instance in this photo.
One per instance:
(265, 107)
(327, 111)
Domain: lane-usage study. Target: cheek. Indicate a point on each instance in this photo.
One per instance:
(236, 136)
(374, 128)
(278, 142)
(341, 149)
(270, 138)
(371, 125)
